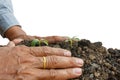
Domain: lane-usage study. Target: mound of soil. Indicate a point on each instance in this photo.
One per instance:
(100, 63)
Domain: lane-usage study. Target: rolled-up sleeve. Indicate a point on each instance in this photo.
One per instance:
(7, 18)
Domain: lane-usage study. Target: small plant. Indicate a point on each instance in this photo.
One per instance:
(43, 42)
(37, 42)
(75, 38)
(71, 40)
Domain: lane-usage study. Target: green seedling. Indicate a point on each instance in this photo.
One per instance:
(71, 40)
(35, 42)
(75, 38)
(43, 42)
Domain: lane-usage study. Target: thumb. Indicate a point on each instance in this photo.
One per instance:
(10, 44)
(16, 41)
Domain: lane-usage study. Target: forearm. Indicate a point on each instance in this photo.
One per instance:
(7, 20)
(9, 26)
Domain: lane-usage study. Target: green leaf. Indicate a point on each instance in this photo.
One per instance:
(44, 42)
(35, 42)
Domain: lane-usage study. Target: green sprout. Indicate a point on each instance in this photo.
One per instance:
(35, 42)
(43, 42)
(71, 40)
(75, 38)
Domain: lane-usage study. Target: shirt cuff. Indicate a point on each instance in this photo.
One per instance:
(7, 20)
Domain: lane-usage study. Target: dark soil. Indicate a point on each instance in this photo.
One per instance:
(100, 63)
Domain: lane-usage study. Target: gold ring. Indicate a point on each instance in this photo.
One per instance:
(44, 62)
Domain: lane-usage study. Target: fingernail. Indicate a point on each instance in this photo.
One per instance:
(67, 53)
(79, 61)
(77, 71)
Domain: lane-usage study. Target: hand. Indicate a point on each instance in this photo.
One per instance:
(14, 42)
(16, 32)
(26, 63)
(50, 39)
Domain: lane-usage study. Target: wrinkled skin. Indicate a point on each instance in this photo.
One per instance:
(15, 32)
(26, 63)
(50, 39)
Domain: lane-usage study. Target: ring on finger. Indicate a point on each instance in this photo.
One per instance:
(44, 62)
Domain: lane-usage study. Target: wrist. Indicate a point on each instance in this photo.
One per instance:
(14, 32)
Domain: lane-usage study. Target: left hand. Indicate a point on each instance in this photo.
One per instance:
(12, 43)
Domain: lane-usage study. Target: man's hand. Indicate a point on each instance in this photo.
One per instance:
(27, 63)
(16, 32)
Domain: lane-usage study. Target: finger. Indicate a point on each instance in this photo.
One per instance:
(50, 39)
(16, 41)
(10, 44)
(53, 39)
(46, 51)
(57, 62)
(59, 74)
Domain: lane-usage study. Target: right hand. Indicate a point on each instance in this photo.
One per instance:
(26, 63)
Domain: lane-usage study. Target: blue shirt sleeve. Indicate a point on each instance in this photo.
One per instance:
(7, 18)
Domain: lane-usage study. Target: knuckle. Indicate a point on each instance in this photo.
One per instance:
(53, 74)
(52, 61)
(73, 61)
(69, 72)
(34, 50)
(31, 50)
(19, 49)
(46, 50)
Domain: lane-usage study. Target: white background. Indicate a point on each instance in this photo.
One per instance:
(96, 20)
